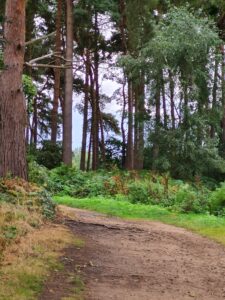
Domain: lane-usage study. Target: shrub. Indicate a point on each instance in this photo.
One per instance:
(189, 200)
(217, 200)
(48, 155)
(138, 192)
(38, 174)
(19, 192)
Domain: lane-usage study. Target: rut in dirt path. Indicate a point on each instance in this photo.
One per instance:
(128, 260)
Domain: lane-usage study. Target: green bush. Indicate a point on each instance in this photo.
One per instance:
(188, 199)
(48, 155)
(38, 174)
(70, 181)
(217, 200)
(138, 192)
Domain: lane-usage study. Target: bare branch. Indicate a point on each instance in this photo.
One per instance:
(40, 38)
(34, 65)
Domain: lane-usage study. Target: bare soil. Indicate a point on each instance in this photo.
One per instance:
(139, 260)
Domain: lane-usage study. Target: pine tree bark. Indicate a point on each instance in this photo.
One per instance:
(12, 102)
(85, 114)
(67, 112)
(57, 73)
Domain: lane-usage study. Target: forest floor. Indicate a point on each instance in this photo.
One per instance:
(133, 260)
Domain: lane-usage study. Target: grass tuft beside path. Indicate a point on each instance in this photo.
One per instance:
(206, 225)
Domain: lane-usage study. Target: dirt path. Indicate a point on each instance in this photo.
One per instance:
(126, 260)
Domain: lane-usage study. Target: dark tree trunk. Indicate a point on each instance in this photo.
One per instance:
(164, 102)
(67, 115)
(157, 120)
(223, 92)
(130, 152)
(85, 114)
(214, 95)
(139, 124)
(95, 106)
(13, 119)
(54, 112)
(102, 135)
(172, 104)
(122, 126)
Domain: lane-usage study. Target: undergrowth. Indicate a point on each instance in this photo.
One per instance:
(138, 187)
(23, 208)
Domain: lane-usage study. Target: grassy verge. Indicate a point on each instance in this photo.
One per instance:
(206, 225)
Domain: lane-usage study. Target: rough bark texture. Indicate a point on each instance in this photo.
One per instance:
(12, 103)
(67, 117)
(54, 113)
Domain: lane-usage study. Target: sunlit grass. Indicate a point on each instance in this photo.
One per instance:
(206, 225)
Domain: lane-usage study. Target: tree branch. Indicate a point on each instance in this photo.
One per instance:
(40, 38)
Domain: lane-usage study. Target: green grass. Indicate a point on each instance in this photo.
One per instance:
(206, 225)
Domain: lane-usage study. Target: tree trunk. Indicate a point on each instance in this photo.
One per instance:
(67, 117)
(139, 123)
(130, 152)
(54, 112)
(172, 104)
(164, 101)
(223, 91)
(13, 117)
(95, 106)
(85, 117)
(157, 120)
(214, 95)
(122, 126)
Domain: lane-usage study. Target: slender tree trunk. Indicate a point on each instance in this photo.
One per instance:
(13, 117)
(102, 135)
(130, 152)
(223, 91)
(35, 123)
(172, 104)
(54, 112)
(85, 117)
(67, 117)
(157, 120)
(164, 101)
(89, 151)
(95, 107)
(139, 123)
(214, 95)
(122, 126)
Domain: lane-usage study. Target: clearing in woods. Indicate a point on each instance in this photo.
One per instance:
(138, 260)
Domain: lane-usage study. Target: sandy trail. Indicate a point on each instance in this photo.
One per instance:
(139, 260)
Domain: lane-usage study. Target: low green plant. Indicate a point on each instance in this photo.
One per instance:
(138, 192)
(217, 201)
